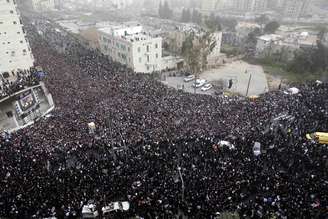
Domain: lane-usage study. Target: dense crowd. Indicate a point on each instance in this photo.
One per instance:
(21, 80)
(159, 148)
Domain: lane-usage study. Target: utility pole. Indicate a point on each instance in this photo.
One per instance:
(249, 83)
(182, 184)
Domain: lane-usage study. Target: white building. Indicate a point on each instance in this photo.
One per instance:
(133, 47)
(15, 52)
(121, 4)
(43, 5)
(244, 28)
(208, 6)
(250, 5)
(276, 44)
(266, 42)
(296, 8)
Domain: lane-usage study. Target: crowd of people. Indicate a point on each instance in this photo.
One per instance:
(17, 81)
(159, 148)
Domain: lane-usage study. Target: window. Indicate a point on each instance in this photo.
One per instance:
(156, 45)
(148, 48)
(18, 32)
(139, 50)
(147, 68)
(8, 1)
(21, 41)
(11, 11)
(12, 53)
(140, 59)
(14, 22)
(156, 56)
(148, 58)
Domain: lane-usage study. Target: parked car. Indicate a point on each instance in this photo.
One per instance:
(116, 206)
(189, 78)
(207, 87)
(199, 83)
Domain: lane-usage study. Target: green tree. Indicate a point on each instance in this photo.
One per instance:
(250, 42)
(191, 54)
(262, 20)
(271, 27)
(323, 30)
(310, 60)
(196, 49)
(212, 23)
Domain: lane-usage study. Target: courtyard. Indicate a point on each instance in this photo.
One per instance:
(241, 73)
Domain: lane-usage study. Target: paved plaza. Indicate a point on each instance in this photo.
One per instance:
(240, 72)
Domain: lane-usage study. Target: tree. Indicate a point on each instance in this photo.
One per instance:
(323, 30)
(228, 23)
(207, 44)
(213, 24)
(271, 27)
(196, 49)
(262, 20)
(250, 43)
(310, 60)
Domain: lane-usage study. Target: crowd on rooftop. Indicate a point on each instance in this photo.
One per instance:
(19, 80)
(158, 148)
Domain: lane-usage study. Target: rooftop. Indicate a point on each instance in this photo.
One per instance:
(129, 33)
(270, 37)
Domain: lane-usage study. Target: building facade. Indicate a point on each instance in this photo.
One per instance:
(250, 5)
(131, 46)
(121, 4)
(295, 8)
(208, 6)
(15, 51)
